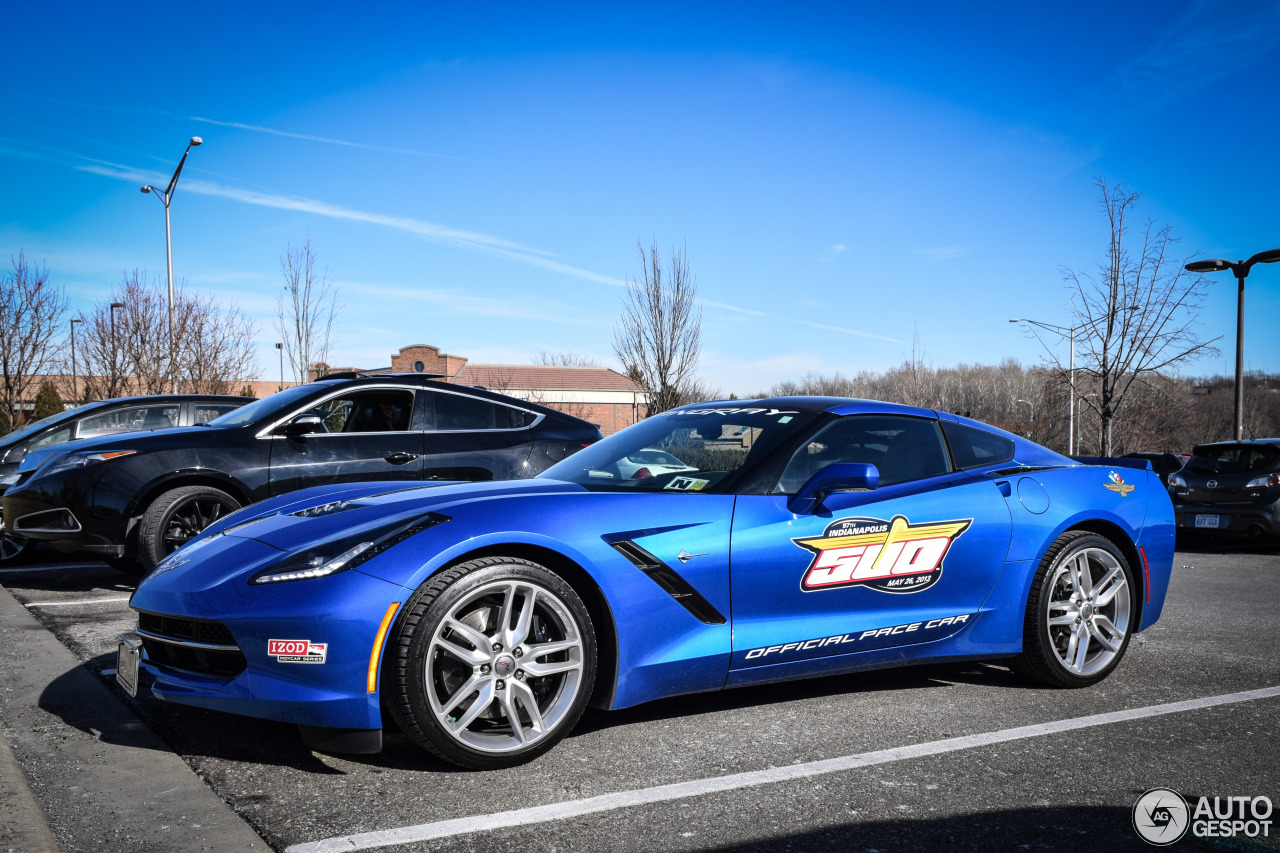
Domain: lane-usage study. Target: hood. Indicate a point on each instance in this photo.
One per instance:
(141, 440)
(335, 511)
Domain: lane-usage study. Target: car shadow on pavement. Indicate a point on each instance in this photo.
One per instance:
(1071, 828)
(76, 697)
(923, 677)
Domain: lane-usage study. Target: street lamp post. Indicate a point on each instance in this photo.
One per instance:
(1240, 269)
(280, 348)
(1069, 332)
(75, 393)
(115, 347)
(165, 197)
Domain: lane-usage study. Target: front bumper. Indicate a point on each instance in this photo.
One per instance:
(1264, 518)
(62, 514)
(343, 612)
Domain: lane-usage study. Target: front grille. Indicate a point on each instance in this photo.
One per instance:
(168, 643)
(191, 630)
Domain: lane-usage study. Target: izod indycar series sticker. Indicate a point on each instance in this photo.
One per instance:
(297, 651)
(889, 556)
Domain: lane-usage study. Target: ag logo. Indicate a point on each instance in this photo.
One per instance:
(890, 556)
(1161, 816)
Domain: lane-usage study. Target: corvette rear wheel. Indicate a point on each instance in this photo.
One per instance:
(1080, 614)
(492, 664)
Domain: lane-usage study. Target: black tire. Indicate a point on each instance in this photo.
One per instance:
(177, 516)
(419, 670)
(1044, 658)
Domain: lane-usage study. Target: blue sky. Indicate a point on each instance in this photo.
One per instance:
(845, 176)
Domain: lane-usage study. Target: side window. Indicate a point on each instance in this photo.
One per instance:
(379, 410)
(973, 448)
(509, 418)
(457, 412)
(205, 412)
(901, 448)
(130, 419)
(56, 437)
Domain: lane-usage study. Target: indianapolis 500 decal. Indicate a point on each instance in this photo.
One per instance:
(890, 556)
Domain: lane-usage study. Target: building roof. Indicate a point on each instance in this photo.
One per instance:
(498, 377)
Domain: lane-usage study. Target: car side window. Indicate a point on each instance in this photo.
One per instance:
(377, 410)
(902, 449)
(205, 412)
(130, 419)
(56, 437)
(973, 448)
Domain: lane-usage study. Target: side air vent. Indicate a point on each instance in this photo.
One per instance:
(671, 581)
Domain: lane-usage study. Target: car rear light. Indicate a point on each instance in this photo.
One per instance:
(641, 474)
(1264, 482)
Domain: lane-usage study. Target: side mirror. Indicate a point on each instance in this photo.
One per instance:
(836, 477)
(304, 425)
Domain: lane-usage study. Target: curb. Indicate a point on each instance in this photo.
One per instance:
(103, 780)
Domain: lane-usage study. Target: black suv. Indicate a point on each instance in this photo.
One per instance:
(1230, 486)
(105, 417)
(134, 499)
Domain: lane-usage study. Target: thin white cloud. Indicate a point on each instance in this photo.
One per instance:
(325, 139)
(1207, 42)
(256, 128)
(833, 251)
(472, 240)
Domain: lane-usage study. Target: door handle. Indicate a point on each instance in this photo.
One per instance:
(401, 458)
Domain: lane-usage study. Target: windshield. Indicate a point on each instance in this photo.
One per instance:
(265, 407)
(1234, 459)
(35, 426)
(687, 450)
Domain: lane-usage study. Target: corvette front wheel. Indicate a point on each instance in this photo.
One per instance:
(1079, 616)
(493, 663)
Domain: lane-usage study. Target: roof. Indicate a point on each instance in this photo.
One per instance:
(499, 377)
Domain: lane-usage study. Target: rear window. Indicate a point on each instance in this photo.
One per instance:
(973, 448)
(1234, 459)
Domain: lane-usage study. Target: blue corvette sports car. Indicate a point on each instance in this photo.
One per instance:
(800, 536)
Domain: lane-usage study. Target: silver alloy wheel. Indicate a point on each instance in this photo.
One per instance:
(1088, 610)
(504, 667)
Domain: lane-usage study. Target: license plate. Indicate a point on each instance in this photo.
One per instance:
(128, 655)
(1206, 521)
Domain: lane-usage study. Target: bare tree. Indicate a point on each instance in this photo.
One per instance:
(31, 314)
(214, 344)
(658, 338)
(1135, 316)
(565, 358)
(305, 311)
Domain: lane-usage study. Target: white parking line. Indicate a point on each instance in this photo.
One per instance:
(55, 567)
(78, 601)
(699, 787)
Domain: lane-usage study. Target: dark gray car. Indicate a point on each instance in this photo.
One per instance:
(1230, 486)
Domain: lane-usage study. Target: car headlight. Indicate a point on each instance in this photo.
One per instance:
(9, 479)
(346, 552)
(84, 460)
(1176, 482)
(1255, 483)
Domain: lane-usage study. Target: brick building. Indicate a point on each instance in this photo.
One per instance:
(596, 394)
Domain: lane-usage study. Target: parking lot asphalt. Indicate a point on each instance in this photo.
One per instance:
(947, 756)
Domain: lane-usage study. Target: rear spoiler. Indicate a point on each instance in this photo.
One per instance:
(1115, 462)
